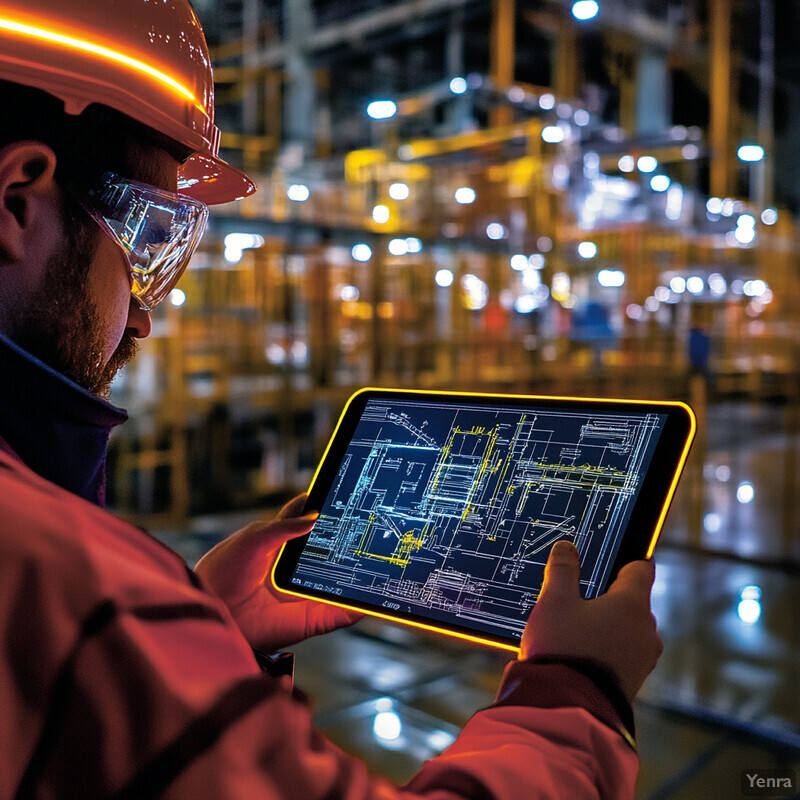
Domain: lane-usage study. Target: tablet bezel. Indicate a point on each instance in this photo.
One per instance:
(639, 539)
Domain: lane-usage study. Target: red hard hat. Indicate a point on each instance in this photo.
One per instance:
(145, 58)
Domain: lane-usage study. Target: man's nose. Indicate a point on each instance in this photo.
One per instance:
(139, 322)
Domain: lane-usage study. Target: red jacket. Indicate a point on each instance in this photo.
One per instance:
(121, 677)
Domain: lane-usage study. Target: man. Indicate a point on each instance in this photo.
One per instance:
(122, 673)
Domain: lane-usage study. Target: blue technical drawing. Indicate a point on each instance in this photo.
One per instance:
(450, 511)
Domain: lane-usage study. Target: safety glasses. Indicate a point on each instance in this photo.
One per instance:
(157, 230)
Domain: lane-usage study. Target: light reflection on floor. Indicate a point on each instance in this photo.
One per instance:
(725, 695)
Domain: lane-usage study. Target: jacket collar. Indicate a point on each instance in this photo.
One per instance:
(54, 426)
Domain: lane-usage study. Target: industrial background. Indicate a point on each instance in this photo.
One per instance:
(532, 196)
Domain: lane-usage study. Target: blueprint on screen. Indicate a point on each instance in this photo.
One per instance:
(450, 511)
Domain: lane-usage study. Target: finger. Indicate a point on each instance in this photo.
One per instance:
(281, 530)
(273, 533)
(562, 573)
(322, 618)
(294, 508)
(635, 578)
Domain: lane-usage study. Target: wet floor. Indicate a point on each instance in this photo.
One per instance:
(724, 697)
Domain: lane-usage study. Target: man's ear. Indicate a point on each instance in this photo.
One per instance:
(27, 190)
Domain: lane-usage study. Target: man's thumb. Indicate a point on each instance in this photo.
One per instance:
(562, 573)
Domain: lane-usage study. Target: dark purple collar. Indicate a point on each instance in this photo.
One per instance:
(54, 426)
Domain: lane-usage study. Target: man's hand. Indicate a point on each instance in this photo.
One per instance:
(239, 571)
(616, 629)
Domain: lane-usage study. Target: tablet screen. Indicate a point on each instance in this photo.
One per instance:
(445, 510)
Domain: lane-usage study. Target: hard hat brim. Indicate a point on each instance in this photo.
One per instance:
(212, 180)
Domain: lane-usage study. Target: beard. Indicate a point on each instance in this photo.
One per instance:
(61, 325)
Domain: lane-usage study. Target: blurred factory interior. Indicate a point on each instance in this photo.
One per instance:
(530, 196)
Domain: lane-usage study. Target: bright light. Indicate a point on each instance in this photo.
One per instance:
(90, 47)
(387, 726)
(553, 134)
(398, 247)
(525, 303)
(746, 221)
(243, 241)
(678, 284)
(749, 611)
(714, 205)
(712, 522)
(560, 176)
(769, 216)
(349, 293)
(475, 292)
(611, 278)
(750, 152)
(413, 244)
(236, 243)
(626, 164)
(561, 286)
(443, 278)
(361, 252)
(582, 117)
(659, 183)
(674, 202)
(531, 279)
(536, 260)
(440, 740)
(381, 214)
(717, 284)
(298, 192)
(398, 191)
(749, 608)
(382, 109)
(744, 235)
(695, 284)
(662, 294)
(633, 311)
(647, 164)
(754, 288)
(298, 352)
(275, 354)
(587, 250)
(547, 101)
(458, 85)
(495, 231)
(585, 9)
(745, 492)
(465, 195)
(519, 261)
(751, 592)
(690, 152)
(177, 297)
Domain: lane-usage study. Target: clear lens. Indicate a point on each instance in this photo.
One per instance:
(157, 230)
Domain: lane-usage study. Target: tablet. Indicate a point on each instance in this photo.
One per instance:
(439, 509)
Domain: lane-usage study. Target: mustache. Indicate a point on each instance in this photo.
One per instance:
(126, 350)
